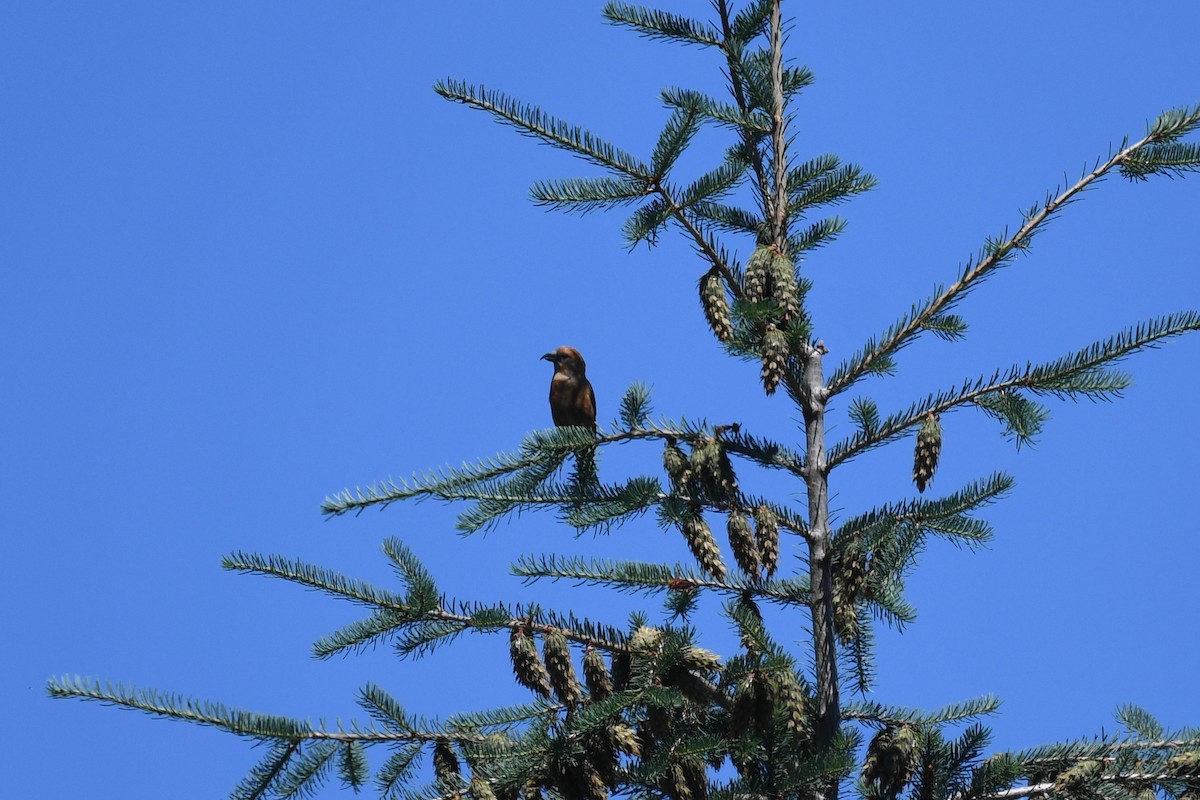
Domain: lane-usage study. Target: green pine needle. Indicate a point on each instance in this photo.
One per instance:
(682, 126)
(174, 706)
(315, 577)
(880, 714)
(654, 24)
(722, 113)
(588, 194)
(635, 407)
(532, 121)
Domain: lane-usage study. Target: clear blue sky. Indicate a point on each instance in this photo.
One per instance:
(250, 258)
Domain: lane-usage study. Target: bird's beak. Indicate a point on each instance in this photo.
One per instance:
(549, 357)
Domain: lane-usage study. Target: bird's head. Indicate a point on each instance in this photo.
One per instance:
(566, 359)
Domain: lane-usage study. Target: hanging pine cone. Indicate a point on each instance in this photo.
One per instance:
(743, 544)
(624, 739)
(741, 713)
(792, 700)
(1186, 764)
(716, 305)
(645, 640)
(891, 760)
(700, 659)
(445, 764)
(1078, 775)
(591, 782)
(929, 447)
(703, 545)
(602, 752)
(712, 469)
(766, 530)
(786, 289)
(595, 674)
(849, 588)
(677, 466)
(774, 358)
(756, 285)
(557, 654)
(529, 669)
(480, 789)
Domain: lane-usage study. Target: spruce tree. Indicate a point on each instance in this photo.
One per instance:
(643, 708)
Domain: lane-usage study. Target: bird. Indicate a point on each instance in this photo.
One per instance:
(572, 400)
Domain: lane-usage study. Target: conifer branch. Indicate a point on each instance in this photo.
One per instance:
(1000, 252)
(1081, 374)
(941, 516)
(587, 194)
(648, 578)
(870, 711)
(534, 122)
(719, 112)
(655, 24)
(315, 577)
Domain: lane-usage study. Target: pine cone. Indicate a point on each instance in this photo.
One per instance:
(792, 700)
(764, 706)
(716, 305)
(1078, 775)
(445, 764)
(849, 588)
(1185, 764)
(698, 658)
(480, 789)
(756, 286)
(624, 739)
(703, 545)
(713, 470)
(645, 640)
(741, 713)
(591, 782)
(677, 466)
(604, 755)
(595, 674)
(529, 669)
(774, 358)
(891, 760)
(557, 654)
(766, 530)
(786, 289)
(929, 447)
(743, 543)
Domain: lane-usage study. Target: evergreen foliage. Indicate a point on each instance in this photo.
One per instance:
(643, 709)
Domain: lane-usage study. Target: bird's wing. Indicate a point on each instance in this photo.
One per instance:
(587, 404)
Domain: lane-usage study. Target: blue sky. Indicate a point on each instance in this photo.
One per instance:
(251, 259)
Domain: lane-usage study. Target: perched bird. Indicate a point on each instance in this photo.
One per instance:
(572, 401)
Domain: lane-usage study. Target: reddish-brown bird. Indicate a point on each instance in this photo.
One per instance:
(572, 401)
